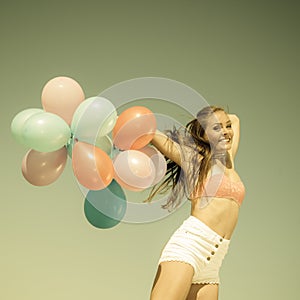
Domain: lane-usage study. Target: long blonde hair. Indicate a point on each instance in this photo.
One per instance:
(184, 183)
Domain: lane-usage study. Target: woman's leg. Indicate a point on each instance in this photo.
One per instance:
(173, 281)
(203, 292)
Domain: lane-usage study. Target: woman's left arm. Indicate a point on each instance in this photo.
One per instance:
(235, 125)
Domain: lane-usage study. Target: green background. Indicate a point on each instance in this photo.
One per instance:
(239, 54)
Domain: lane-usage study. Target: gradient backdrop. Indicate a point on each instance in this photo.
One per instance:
(239, 54)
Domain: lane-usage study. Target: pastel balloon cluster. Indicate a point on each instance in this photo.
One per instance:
(108, 152)
(46, 130)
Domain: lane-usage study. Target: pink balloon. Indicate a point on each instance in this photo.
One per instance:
(43, 168)
(61, 96)
(134, 129)
(158, 160)
(92, 167)
(134, 170)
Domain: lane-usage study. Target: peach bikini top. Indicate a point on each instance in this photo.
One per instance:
(221, 186)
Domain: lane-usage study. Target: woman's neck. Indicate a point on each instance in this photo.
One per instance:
(222, 157)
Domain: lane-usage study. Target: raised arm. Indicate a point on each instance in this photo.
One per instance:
(235, 125)
(167, 147)
(183, 155)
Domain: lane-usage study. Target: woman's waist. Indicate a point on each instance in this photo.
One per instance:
(220, 214)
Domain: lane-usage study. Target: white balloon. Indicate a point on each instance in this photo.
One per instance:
(94, 117)
(158, 160)
(134, 170)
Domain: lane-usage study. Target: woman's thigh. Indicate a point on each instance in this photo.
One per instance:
(173, 281)
(203, 292)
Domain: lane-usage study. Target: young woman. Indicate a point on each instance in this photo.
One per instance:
(200, 166)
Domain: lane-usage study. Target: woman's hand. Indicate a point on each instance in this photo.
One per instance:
(235, 125)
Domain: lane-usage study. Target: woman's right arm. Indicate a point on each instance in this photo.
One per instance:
(167, 147)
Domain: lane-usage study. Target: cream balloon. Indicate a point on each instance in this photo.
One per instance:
(133, 170)
(158, 160)
(61, 96)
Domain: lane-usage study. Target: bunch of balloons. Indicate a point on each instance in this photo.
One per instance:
(89, 131)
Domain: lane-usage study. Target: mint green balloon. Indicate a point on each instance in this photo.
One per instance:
(17, 124)
(95, 116)
(104, 143)
(46, 132)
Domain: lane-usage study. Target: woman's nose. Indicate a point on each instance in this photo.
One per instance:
(224, 131)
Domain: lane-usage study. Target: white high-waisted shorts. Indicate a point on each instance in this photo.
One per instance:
(198, 245)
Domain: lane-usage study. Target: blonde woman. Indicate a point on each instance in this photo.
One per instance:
(200, 166)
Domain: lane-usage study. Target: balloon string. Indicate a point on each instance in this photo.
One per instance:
(70, 140)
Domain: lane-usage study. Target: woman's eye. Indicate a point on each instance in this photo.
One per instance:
(216, 128)
(229, 126)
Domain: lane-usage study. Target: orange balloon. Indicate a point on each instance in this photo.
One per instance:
(61, 96)
(92, 167)
(134, 129)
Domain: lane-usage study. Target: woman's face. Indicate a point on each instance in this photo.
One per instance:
(218, 132)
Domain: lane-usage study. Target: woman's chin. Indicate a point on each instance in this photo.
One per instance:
(222, 149)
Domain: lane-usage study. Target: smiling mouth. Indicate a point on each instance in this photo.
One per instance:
(226, 140)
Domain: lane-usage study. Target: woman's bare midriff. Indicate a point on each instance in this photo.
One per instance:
(221, 215)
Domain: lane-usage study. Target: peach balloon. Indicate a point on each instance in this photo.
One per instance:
(61, 96)
(43, 168)
(92, 167)
(134, 170)
(134, 129)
